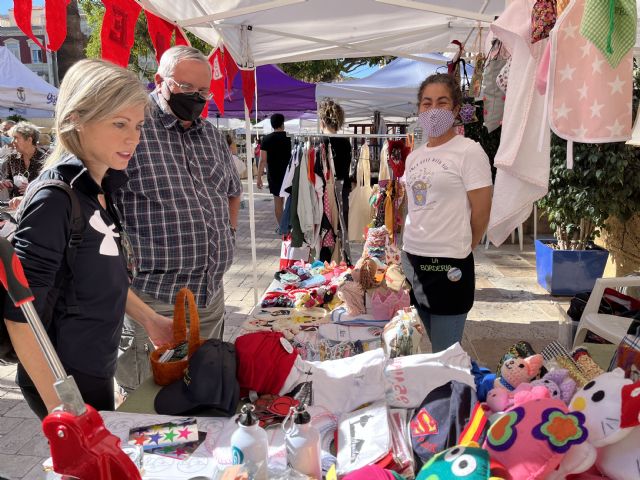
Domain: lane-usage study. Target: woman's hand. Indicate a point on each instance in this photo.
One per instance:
(14, 203)
(6, 184)
(160, 330)
(23, 188)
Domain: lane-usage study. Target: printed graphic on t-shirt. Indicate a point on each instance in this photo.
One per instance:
(419, 179)
(108, 245)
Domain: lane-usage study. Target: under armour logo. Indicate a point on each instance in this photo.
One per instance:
(108, 245)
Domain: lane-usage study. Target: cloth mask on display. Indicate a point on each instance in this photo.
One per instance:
(186, 106)
(436, 122)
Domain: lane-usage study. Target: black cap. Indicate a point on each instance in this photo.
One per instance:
(209, 382)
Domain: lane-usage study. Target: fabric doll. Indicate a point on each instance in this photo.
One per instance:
(518, 370)
(462, 461)
(611, 406)
(501, 399)
(559, 384)
(540, 439)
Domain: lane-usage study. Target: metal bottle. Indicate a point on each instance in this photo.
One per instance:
(303, 443)
(249, 443)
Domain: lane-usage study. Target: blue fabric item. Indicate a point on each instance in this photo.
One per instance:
(314, 281)
(484, 379)
(285, 221)
(317, 264)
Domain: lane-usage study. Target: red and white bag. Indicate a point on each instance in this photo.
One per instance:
(290, 255)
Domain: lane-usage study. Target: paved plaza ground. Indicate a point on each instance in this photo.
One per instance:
(509, 306)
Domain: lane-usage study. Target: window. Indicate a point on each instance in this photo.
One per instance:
(36, 55)
(14, 47)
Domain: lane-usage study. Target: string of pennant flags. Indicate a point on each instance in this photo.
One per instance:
(117, 37)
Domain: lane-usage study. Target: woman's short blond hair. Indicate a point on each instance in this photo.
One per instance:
(92, 90)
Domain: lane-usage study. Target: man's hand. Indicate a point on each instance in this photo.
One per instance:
(160, 330)
(259, 183)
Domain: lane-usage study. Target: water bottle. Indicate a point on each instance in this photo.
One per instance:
(303, 443)
(249, 443)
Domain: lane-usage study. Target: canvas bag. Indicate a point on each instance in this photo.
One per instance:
(360, 211)
(493, 98)
(587, 100)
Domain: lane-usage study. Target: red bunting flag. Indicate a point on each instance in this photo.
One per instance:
(22, 14)
(161, 32)
(230, 67)
(217, 79)
(248, 86)
(55, 12)
(118, 27)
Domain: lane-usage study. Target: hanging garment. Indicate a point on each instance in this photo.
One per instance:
(588, 100)
(543, 18)
(523, 170)
(306, 200)
(383, 174)
(611, 27)
(360, 211)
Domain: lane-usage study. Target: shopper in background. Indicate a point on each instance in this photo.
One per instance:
(25, 164)
(448, 184)
(275, 153)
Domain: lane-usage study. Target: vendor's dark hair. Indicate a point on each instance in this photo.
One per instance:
(277, 120)
(444, 79)
(331, 114)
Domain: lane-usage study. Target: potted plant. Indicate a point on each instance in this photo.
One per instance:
(604, 183)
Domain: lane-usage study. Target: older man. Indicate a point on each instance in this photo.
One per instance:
(180, 206)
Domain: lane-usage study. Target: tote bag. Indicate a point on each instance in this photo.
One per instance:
(360, 211)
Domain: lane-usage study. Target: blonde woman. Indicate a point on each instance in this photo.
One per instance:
(99, 114)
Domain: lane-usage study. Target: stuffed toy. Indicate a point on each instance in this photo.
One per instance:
(611, 406)
(515, 371)
(462, 461)
(559, 384)
(501, 399)
(540, 439)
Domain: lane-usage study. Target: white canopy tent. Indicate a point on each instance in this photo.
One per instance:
(390, 90)
(22, 91)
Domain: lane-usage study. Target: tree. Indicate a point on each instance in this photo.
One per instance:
(142, 58)
(72, 49)
(329, 70)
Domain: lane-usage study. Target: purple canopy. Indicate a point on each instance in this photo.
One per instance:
(277, 93)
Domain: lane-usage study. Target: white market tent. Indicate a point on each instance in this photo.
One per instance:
(22, 91)
(390, 90)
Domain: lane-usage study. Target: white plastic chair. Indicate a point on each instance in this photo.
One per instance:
(609, 327)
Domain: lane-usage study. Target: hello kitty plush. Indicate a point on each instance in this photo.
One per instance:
(611, 406)
(518, 370)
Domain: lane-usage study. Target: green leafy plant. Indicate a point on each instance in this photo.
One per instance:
(604, 183)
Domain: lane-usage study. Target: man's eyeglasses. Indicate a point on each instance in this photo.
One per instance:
(190, 89)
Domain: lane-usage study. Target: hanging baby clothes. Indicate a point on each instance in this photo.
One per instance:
(523, 169)
(492, 97)
(360, 212)
(589, 100)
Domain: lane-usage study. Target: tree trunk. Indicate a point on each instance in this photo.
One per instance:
(73, 47)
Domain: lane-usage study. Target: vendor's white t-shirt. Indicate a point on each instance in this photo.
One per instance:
(437, 179)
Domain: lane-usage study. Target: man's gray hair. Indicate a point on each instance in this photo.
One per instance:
(175, 55)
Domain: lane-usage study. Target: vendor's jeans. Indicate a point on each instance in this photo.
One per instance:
(134, 366)
(443, 330)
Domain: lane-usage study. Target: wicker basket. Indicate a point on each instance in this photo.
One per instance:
(165, 373)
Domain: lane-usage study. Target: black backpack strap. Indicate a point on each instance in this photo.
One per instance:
(78, 225)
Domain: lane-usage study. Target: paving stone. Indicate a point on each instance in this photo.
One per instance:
(16, 467)
(36, 473)
(7, 424)
(37, 446)
(22, 433)
(7, 404)
(20, 410)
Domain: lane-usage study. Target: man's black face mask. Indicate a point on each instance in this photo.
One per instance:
(186, 106)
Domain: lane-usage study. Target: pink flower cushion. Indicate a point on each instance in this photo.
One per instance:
(532, 439)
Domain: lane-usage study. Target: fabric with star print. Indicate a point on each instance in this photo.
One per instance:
(589, 101)
(163, 435)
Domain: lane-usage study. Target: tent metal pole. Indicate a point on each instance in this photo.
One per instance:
(428, 7)
(252, 212)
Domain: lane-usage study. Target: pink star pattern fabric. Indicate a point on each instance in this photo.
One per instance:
(588, 101)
